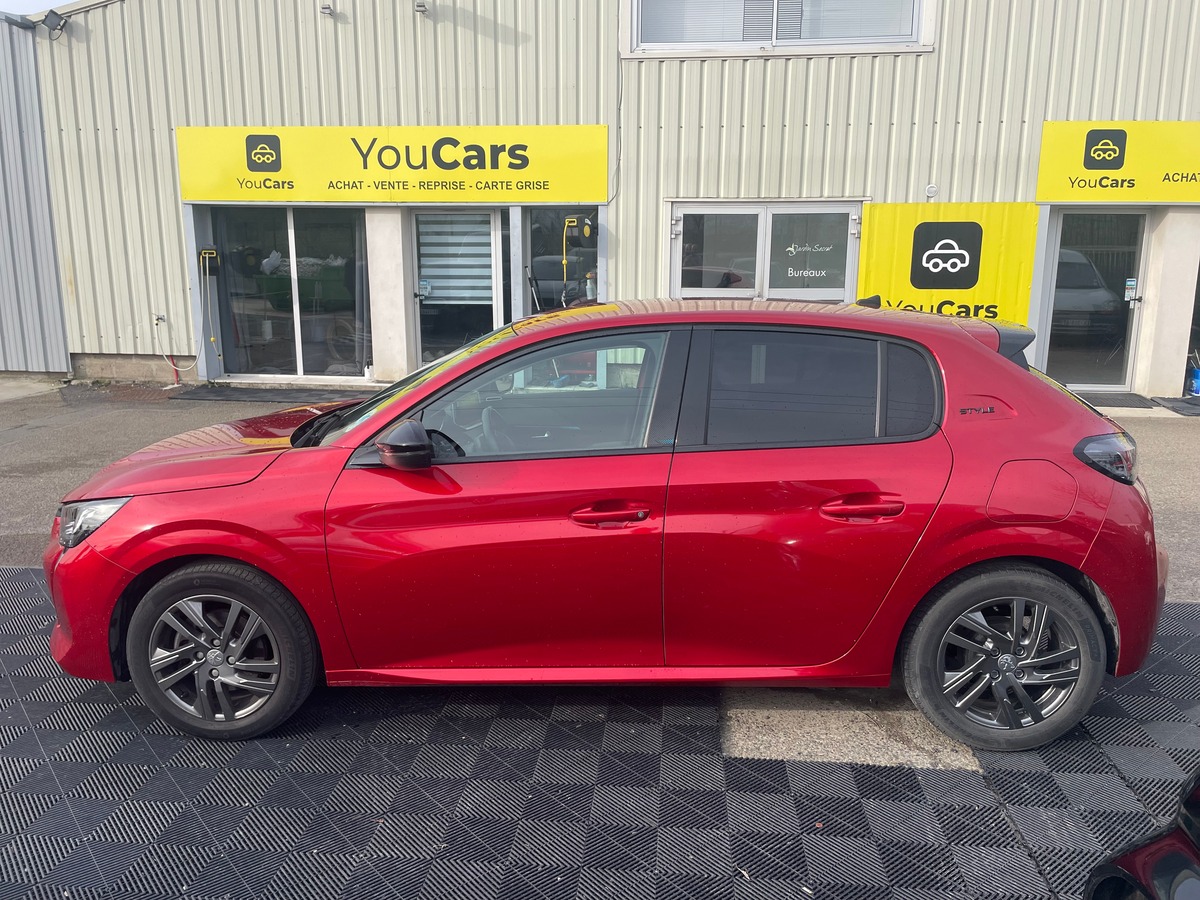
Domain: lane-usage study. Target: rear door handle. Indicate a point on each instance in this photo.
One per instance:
(862, 509)
(610, 515)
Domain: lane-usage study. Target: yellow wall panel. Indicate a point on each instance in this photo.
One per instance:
(958, 259)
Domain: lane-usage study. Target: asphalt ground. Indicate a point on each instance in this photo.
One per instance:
(53, 438)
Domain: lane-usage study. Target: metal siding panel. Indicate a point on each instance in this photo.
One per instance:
(32, 331)
(966, 117)
(120, 80)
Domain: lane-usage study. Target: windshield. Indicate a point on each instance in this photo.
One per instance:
(1073, 275)
(356, 415)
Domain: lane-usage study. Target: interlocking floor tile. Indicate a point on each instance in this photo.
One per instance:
(490, 793)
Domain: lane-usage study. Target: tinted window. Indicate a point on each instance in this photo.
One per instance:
(791, 388)
(586, 396)
(911, 394)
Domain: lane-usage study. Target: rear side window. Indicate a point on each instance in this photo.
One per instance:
(792, 388)
(911, 392)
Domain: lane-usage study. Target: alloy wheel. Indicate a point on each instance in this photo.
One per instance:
(214, 657)
(1008, 663)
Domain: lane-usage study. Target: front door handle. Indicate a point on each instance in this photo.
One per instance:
(610, 515)
(852, 508)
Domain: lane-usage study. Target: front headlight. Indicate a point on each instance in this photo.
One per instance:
(78, 520)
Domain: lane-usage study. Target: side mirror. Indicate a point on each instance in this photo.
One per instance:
(406, 447)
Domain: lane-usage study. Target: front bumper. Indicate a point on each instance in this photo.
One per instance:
(84, 587)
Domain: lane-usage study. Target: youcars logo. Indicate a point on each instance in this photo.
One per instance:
(945, 256)
(263, 153)
(1104, 148)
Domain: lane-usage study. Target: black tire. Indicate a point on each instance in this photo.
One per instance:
(181, 633)
(979, 683)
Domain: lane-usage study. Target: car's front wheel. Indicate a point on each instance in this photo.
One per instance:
(1004, 659)
(220, 650)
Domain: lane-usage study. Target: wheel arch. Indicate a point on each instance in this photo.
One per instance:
(141, 584)
(1088, 589)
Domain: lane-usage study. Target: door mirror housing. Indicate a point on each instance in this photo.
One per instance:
(406, 446)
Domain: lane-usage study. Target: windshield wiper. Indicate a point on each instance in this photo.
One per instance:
(311, 432)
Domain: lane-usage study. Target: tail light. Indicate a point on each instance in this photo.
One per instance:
(1114, 454)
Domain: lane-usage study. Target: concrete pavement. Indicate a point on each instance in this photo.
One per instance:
(52, 440)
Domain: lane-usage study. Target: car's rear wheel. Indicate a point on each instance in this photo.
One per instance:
(1004, 659)
(220, 650)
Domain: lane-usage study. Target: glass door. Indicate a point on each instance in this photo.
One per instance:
(459, 295)
(1097, 299)
(292, 291)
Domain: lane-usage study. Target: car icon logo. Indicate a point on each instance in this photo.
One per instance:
(263, 153)
(1104, 148)
(946, 255)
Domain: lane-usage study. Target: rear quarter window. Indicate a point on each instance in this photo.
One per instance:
(911, 392)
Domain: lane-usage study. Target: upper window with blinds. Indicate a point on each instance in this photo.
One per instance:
(782, 25)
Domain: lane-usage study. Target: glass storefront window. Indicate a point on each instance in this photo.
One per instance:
(551, 238)
(770, 251)
(262, 307)
(808, 250)
(257, 325)
(335, 324)
(720, 251)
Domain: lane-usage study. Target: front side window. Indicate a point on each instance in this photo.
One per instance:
(726, 24)
(586, 396)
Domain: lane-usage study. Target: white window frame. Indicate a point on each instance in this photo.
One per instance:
(766, 213)
(925, 17)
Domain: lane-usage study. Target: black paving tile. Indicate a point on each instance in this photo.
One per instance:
(551, 792)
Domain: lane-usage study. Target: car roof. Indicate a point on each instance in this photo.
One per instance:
(911, 323)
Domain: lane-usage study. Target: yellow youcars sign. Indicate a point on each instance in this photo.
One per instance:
(954, 259)
(471, 164)
(1119, 162)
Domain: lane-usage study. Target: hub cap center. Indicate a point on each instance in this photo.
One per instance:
(1007, 663)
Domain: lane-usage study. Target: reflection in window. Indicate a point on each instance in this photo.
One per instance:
(791, 388)
(257, 326)
(587, 396)
(775, 22)
(259, 307)
(808, 250)
(553, 238)
(335, 324)
(720, 251)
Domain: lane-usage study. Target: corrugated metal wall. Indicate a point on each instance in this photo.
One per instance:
(124, 75)
(966, 117)
(32, 333)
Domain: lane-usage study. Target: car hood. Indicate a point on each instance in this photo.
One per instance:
(1085, 300)
(216, 456)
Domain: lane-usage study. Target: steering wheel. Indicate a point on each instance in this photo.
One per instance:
(497, 433)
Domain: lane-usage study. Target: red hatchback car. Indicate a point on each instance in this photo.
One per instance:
(708, 491)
